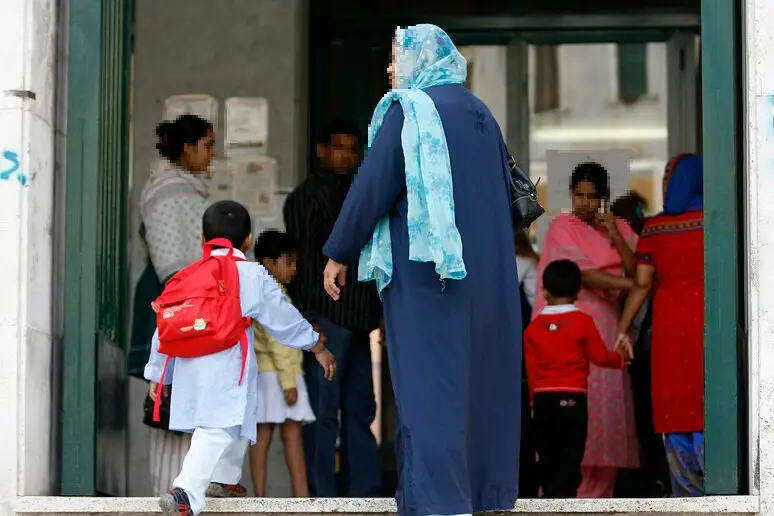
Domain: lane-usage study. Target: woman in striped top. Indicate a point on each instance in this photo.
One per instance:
(171, 207)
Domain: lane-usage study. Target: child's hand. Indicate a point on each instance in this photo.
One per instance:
(623, 345)
(291, 396)
(326, 359)
(628, 353)
(154, 387)
(323, 337)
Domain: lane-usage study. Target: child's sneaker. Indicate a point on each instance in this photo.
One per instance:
(175, 503)
(218, 490)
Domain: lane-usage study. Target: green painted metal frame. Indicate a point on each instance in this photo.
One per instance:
(719, 50)
(718, 23)
(351, 25)
(113, 267)
(78, 461)
(722, 212)
(90, 261)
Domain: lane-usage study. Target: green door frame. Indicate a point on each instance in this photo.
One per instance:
(724, 328)
(724, 334)
(720, 48)
(96, 104)
(79, 354)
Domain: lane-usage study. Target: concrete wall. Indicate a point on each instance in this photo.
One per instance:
(239, 48)
(27, 118)
(758, 150)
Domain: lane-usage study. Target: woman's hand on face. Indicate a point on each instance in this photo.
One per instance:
(334, 273)
(606, 222)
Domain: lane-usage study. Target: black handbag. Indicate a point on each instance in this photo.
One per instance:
(147, 417)
(525, 207)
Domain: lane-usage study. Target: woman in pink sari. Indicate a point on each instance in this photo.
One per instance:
(602, 246)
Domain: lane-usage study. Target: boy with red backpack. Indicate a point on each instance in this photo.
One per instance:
(203, 346)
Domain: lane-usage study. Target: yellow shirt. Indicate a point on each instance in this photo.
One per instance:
(275, 358)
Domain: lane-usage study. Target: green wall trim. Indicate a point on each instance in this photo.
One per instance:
(340, 26)
(632, 71)
(721, 213)
(78, 461)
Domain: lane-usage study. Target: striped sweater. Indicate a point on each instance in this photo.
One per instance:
(310, 212)
(172, 204)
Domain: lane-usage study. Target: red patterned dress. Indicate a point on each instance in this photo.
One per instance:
(674, 246)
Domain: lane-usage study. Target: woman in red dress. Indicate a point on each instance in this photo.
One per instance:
(670, 262)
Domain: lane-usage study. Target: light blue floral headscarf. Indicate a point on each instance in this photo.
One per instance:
(425, 57)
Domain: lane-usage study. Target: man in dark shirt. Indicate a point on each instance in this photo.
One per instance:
(310, 212)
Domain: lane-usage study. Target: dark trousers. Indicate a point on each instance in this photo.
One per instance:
(654, 468)
(561, 425)
(528, 472)
(352, 392)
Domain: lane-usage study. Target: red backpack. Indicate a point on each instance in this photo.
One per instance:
(199, 312)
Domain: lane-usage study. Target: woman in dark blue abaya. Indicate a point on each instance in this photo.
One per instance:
(428, 218)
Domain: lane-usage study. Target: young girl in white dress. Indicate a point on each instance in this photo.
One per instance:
(282, 395)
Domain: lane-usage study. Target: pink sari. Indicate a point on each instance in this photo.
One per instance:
(612, 437)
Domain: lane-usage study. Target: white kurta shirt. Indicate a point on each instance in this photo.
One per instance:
(527, 270)
(205, 390)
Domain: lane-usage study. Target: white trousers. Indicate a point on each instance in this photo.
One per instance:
(216, 455)
(166, 453)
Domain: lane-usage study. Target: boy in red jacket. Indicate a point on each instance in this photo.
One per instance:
(559, 344)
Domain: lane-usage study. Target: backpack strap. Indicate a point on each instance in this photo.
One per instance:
(245, 348)
(159, 390)
(206, 253)
(219, 242)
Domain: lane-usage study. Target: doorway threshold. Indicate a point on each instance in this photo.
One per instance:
(61, 505)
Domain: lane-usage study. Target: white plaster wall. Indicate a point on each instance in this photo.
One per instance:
(27, 61)
(759, 152)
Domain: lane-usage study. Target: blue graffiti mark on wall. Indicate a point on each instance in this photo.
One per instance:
(12, 168)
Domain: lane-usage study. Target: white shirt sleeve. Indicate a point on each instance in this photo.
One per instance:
(263, 301)
(527, 269)
(155, 366)
(530, 282)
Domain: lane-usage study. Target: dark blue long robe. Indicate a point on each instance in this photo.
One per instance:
(454, 352)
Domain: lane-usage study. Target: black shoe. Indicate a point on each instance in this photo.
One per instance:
(175, 503)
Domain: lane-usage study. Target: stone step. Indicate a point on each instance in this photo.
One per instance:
(78, 506)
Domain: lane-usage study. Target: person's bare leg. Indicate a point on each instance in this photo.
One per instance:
(259, 454)
(294, 457)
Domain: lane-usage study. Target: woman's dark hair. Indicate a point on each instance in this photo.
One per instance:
(562, 278)
(173, 135)
(630, 208)
(595, 174)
